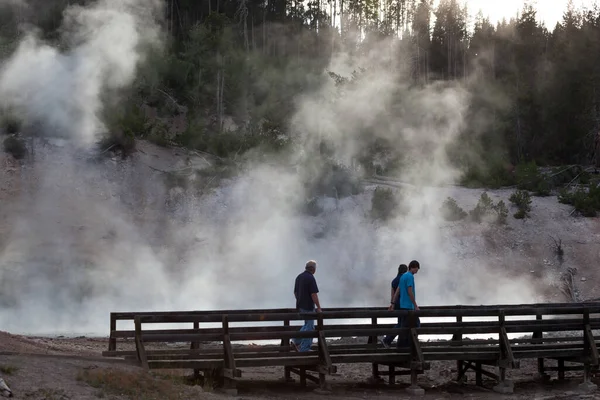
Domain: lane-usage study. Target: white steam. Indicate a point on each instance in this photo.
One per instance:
(63, 88)
(84, 239)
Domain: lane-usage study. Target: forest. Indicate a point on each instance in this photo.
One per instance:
(227, 79)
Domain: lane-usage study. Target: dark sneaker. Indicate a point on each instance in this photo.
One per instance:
(385, 344)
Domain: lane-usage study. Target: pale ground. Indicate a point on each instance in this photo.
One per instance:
(52, 375)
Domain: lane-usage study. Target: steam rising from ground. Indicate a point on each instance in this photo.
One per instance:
(85, 239)
(63, 90)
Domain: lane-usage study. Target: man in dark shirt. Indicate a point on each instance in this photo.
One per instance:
(387, 340)
(306, 293)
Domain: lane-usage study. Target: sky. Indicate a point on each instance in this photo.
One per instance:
(549, 11)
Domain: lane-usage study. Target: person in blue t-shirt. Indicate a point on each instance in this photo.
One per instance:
(407, 296)
(388, 339)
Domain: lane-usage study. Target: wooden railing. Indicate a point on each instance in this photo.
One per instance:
(572, 340)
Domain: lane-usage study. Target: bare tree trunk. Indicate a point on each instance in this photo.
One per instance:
(449, 56)
(222, 97)
(253, 37)
(519, 133)
(342, 16)
(264, 26)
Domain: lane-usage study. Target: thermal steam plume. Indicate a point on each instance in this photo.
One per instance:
(63, 89)
(91, 239)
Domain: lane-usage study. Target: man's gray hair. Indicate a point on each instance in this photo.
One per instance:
(311, 264)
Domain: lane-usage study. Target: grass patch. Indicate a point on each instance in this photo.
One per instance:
(135, 385)
(8, 369)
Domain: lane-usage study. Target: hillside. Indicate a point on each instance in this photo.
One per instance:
(87, 236)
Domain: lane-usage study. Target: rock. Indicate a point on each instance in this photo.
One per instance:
(415, 391)
(583, 279)
(587, 387)
(506, 387)
(4, 389)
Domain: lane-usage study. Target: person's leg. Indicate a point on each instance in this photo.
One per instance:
(298, 341)
(309, 325)
(303, 344)
(388, 339)
(403, 338)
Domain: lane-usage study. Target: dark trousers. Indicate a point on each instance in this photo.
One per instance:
(390, 338)
(403, 322)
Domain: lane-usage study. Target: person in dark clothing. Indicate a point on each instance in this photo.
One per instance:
(388, 339)
(307, 298)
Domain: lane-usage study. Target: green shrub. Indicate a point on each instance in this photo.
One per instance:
(565, 197)
(522, 200)
(585, 202)
(451, 211)
(483, 207)
(501, 212)
(15, 146)
(383, 204)
(529, 178)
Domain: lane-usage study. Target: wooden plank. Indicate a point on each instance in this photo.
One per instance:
(139, 344)
(507, 354)
(369, 358)
(473, 312)
(542, 307)
(324, 352)
(415, 347)
(221, 356)
(547, 353)
(591, 345)
(236, 351)
(229, 358)
(283, 361)
(367, 330)
(190, 337)
(187, 364)
(459, 355)
(303, 374)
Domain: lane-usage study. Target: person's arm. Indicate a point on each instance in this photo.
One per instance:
(315, 299)
(314, 290)
(411, 296)
(395, 297)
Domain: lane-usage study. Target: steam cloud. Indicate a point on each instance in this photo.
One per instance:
(63, 89)
(85, 239)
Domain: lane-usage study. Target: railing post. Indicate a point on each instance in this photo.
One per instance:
(538, 334)
(373, 342)
(416, 356)
(458, 338)
(590, 354)
(506, 358)
(285, 344)
(112, 341)
(229, 378)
